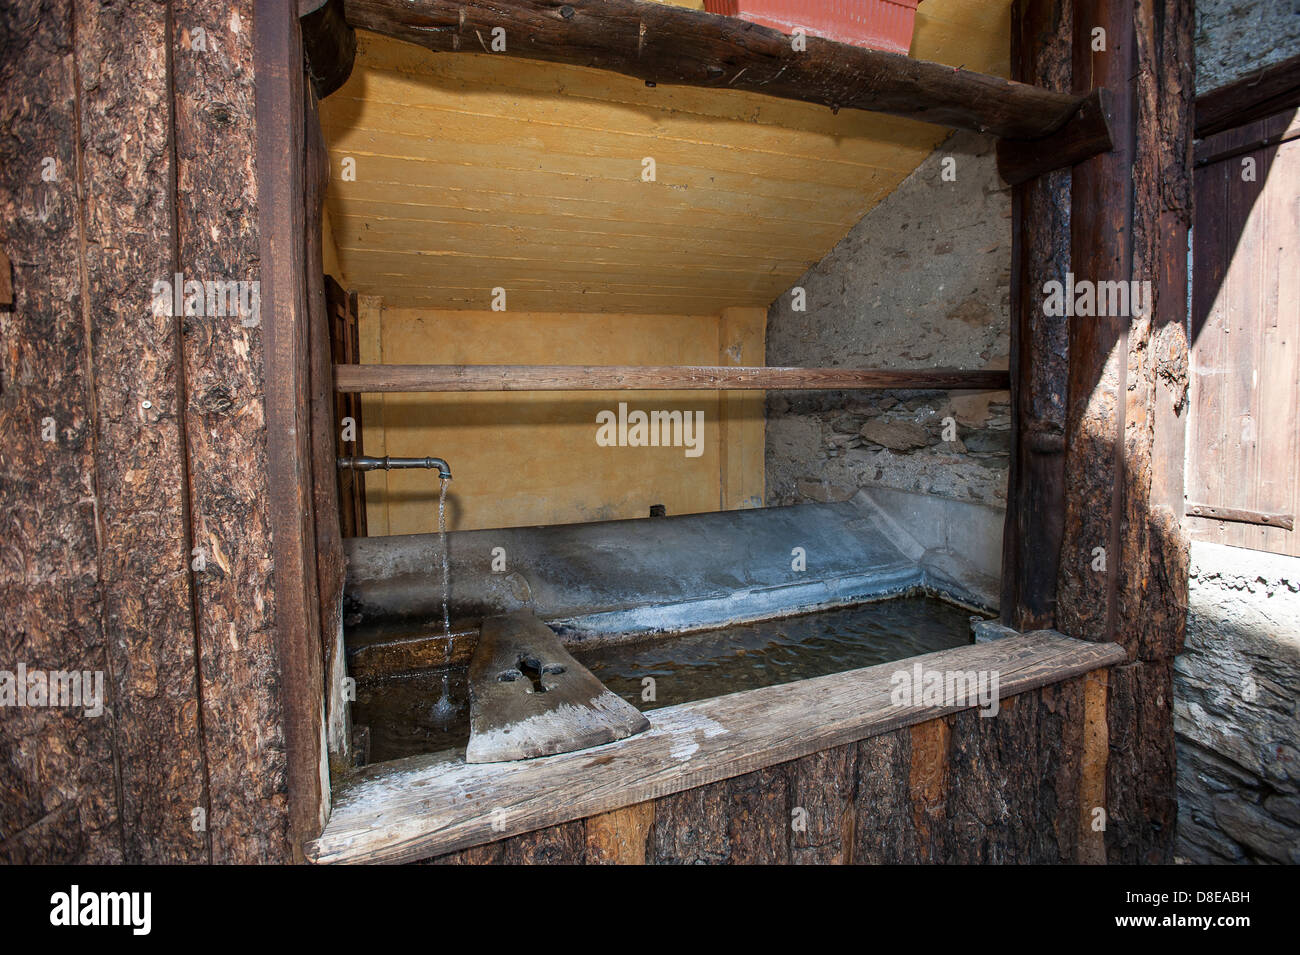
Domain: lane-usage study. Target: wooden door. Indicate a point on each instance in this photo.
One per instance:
(1243, 453)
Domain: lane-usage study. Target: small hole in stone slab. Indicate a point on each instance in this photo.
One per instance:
(535, 670)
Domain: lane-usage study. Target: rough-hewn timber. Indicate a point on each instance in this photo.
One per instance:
(670, 44)
(286, 510)
(1123, 573)
(957, 788)
(57, 770)
(1040, 251)
(329, 45)
(324, 452)
(134, 488)
(126, 174)
(405, 810)
(1086, 135)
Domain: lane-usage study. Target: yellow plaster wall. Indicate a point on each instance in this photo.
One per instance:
(532, 458)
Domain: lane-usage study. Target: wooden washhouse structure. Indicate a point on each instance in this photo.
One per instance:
(176, 371)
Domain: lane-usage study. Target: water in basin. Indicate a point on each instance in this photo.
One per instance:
(429, 711)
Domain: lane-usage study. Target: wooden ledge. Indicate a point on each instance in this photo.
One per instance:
(429, 805)
(379, 378)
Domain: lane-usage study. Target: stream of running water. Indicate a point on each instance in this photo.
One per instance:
(444, 709)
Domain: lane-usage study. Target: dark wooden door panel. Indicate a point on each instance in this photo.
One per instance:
(345, 348)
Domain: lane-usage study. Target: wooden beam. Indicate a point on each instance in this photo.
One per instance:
(325, 428)
(377, 378)
(1123, 567)
(329, 45)
(1255, 96)
(1086, 134)
(662, 43)
(281, 169)
(1093, 768)
(1041, 34)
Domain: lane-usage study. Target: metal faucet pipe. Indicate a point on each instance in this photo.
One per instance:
(363, 463)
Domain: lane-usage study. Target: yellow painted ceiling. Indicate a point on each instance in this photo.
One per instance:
(475, 171)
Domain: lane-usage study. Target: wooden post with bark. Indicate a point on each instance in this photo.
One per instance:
(1123, 570)
(1093, 544)
(1040, 252)
(139, 484)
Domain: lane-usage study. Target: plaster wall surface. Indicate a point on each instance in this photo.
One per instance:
(528, 458)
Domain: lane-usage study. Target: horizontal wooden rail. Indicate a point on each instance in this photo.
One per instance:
(662, 43)
(1257, 95)
(376, 378)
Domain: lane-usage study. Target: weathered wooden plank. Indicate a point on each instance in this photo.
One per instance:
(1241, 454)
(345, 345)
(1153, 595)
(621, 837)
(1274, 130)
(1091, 768)
(554, 845)
(1059, 751)
(1021, 787)
(140, 467)
(1123, 569)
(1278, 485)
(991, 813)
(1101, 250)
(1212, 253)
(1264, 92)
(421, 806)
(407, 378)
(669, 44)
(1141, 789)
(927, 786)
(6, 283)
(325, 444)
(57, 766)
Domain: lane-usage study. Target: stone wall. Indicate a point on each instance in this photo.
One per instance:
(1235, 713)
(1235, 37)
(923, 281)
